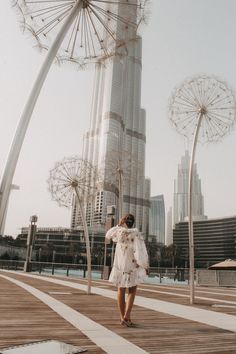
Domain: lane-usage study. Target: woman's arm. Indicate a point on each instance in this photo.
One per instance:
(111, 233)
(140, 252)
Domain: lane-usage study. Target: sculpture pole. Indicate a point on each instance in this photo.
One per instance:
(87, 243)
(190, 209)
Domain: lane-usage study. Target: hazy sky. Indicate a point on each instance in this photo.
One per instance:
(182, 38)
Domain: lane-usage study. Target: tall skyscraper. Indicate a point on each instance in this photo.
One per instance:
(157, 218)
(116, 139)
(169, 228)
(180, 212)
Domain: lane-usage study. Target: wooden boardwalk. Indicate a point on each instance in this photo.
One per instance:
(25, 319)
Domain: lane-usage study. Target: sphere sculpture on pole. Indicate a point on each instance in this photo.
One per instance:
(75, 178)
(78, 31)
(203, 109)
(96, 31)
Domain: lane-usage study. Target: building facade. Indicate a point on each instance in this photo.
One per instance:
(169, 228)
(214, 240)
(13, 252)
(116, 139)
(63, 245)
(180, 205)
(157, 219)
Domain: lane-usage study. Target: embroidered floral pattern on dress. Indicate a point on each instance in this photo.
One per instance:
(131, 257)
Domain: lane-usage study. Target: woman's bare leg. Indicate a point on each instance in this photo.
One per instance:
(121, 301)
(130, 302)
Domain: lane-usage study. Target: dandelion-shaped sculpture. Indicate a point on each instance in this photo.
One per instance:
(204, 109)
(78, 31)
(121, 167)
(75, 177)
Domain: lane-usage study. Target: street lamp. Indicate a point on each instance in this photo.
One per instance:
(30, 241)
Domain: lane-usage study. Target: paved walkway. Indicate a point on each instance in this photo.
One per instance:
(214, 321)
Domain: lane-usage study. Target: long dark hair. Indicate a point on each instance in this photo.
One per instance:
(127, 219)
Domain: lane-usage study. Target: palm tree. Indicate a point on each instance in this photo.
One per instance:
(171, 253)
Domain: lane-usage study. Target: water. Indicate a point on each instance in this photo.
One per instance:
(164, 280)
(97, 275)
(48, 346)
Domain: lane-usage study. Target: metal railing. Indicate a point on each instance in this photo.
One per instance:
(177, 274)
(80, 270)
(64, 268)
(11, 264)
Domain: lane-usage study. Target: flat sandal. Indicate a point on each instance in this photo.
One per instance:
(125, 323)
(131, 324)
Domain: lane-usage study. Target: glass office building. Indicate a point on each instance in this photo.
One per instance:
(157, 219)
(214, 240)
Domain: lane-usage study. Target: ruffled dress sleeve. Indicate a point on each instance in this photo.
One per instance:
(112, 233)
(140, 251)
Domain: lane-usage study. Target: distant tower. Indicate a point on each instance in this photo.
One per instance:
(118, 134)
(146, 206)
(169, 228)
(157, 218)
(180, 212)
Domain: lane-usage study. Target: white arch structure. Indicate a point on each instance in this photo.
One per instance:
(13, 156)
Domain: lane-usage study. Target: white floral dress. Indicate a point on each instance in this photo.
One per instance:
(131, 258)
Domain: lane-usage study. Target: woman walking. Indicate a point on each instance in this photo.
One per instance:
(130, 265)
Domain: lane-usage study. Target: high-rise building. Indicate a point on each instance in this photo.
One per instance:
(180, 209)
(157, 218)
(116, 139)
(169, 228)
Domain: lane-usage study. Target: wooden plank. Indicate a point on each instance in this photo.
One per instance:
(24, 319)
(156, 332)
